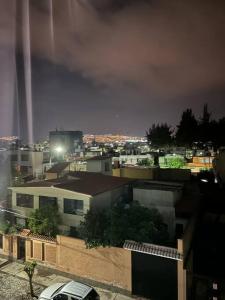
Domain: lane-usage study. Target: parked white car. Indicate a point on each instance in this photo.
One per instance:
(69, 291)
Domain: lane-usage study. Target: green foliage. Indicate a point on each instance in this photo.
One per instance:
(94, 229)
(175, 162)
(147, 162)
(44, 221)
(7, 228)
(159, 135)
(123, 222)
(29, 268)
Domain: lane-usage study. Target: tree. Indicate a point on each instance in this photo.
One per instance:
(94, 228)
(147, 162)
(29, 268)
(159, 135)
(187, 129)
(123, 222)
(205, 126)
(45, 220)
(175, 162)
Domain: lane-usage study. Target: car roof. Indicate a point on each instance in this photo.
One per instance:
(77, 289)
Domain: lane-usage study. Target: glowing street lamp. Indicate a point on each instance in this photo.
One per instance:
(59, 149)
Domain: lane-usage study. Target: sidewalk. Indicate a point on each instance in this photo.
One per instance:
(45, 276)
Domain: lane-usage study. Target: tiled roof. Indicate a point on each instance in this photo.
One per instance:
(153, 249)
(83, 182)
(27, 233)
(24, 232)
(93, 183)
(59, 167)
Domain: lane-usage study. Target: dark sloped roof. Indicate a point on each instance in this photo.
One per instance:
(83, 182)
(59, 167)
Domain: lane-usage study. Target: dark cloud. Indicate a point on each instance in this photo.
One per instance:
(147, 59)
(169, 48)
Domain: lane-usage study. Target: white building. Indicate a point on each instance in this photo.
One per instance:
(73, 196)
(160, 195)
(29, 161)
(100, 164)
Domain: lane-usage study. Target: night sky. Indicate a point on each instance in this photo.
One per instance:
(109, 66)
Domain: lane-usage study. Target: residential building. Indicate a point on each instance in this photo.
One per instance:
(177, 202)
(29, 162)
(58, 170)
(100, 164)
(133, 159)
(74, 195)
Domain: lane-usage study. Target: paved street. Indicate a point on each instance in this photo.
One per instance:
(14, 284)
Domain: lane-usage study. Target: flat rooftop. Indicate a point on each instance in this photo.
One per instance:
(158, 185)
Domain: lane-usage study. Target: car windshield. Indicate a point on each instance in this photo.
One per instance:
(58, 290)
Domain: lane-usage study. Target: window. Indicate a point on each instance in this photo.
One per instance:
(92, 295)
(61, 297)
(1, 241)
(106, 166)
(47, 201)
(25, 200)
(24, 169)
(24, 157)
(14, 157)
(74, 207)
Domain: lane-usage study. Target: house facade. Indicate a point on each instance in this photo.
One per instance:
(73, 195)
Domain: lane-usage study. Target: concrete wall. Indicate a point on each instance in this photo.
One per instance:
(136, 173)
(185, 267)
(181, 274)
(219, 166)
(99, 166)
(163, 200)
(173, 174)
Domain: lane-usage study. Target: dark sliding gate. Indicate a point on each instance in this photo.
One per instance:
(154, 277)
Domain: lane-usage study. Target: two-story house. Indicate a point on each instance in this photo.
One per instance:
(74, 194)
